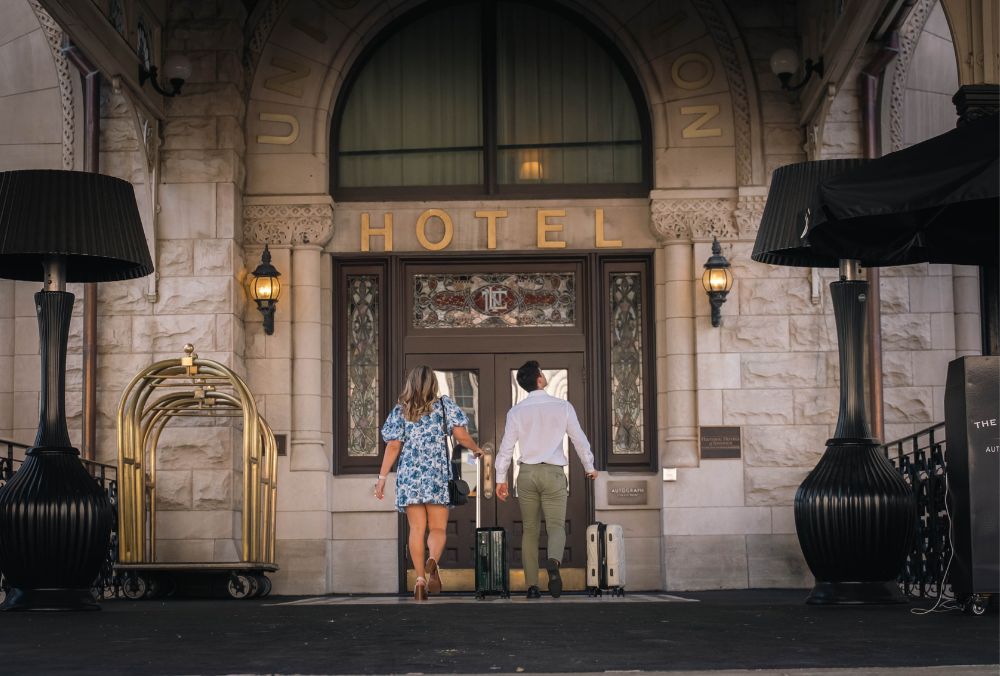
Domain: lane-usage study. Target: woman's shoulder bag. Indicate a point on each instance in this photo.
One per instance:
(458, 488)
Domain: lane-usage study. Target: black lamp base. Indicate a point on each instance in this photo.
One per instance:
(49, 599)
(55, 526)
(855, 593)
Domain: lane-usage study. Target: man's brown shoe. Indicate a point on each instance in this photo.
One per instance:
(433, 577)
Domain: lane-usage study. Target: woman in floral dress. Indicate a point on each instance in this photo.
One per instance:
(414, 433)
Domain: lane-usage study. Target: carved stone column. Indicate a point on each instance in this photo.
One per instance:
(675, 223)
(306, 227)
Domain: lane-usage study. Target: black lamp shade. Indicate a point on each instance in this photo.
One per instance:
(90, 219)
(937, 201)
(785, 220)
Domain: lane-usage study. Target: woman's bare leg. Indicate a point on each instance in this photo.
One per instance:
(437, 518)
(416, 517)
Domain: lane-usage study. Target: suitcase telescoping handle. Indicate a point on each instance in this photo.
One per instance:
(479, 496)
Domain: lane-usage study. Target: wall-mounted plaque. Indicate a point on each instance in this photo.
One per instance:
(720, 443)
(627, 493)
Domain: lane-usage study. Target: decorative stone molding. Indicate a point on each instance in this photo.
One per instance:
(693, 219)
(913, 27)
(261, 32)
(737, 86)
(288, 223)
(54, 36)
(147, 128)
(749, 210)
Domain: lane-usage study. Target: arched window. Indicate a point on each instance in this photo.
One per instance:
(500, 98)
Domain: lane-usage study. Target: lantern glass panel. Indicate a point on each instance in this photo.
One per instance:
(717, 279)
(265, 288)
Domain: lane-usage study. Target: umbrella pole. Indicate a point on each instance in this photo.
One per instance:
(854, 514)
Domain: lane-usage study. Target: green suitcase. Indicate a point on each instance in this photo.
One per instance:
(492, 571)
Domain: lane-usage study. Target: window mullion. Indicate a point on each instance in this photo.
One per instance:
(489, 64)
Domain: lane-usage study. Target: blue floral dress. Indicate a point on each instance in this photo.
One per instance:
(423, 469)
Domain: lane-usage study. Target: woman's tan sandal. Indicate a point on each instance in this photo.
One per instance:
(433, 577)
(420, 590)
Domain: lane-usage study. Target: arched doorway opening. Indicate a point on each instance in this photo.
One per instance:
(479, 107)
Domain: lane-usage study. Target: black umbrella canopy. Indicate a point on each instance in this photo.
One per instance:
(788, 210)
(936, 201)
(90, 219)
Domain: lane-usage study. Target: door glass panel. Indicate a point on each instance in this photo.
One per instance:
(515, 300)
(626, 364)
(462, 385)
(362, 365)
(558, 387)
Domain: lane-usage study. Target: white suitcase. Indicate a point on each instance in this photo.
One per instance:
(605, 559)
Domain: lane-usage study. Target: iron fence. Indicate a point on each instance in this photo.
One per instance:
(920, 458)
(107, 585)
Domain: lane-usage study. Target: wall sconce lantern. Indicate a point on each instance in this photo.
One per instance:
(785, 63)
(176, 69)
(265, 289)
(717, 280)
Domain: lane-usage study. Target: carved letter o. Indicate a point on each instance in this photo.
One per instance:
(692, 57)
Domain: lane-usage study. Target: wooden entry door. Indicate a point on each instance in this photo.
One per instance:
(483, 385)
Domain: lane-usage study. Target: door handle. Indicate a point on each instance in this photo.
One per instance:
(488, 471)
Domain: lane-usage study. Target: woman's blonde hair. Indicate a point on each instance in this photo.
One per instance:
(419, 393)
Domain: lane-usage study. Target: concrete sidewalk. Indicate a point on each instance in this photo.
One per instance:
(769, 630)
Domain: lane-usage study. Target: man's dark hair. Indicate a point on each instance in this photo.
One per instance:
(527, 376)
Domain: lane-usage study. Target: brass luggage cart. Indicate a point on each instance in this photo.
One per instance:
(191, 387)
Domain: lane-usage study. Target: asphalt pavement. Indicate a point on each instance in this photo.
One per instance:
(771, 630)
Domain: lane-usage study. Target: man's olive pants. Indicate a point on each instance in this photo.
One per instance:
(541, 490)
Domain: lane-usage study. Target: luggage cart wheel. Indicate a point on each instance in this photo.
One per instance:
(976, 604)
(241, 586)
(263, 584)
(135, 587)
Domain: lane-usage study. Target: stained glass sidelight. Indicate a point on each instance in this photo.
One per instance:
(626, 364)
(494, 300)
(362, 365)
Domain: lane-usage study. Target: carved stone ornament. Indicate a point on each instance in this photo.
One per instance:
(260, 35)
(912, 29)
(54, 36)
(749, 210)
(288, 223)
(693, 219)
(737, 86)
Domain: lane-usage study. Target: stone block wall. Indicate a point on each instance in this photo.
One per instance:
(772, 369)
(200, 297)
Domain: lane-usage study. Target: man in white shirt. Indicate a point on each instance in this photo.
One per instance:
(538, 424)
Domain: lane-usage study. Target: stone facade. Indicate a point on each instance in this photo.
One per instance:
(241, 160)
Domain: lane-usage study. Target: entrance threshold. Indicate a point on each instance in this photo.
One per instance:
(466, 597)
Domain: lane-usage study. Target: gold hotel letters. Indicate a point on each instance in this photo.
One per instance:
(548, 230)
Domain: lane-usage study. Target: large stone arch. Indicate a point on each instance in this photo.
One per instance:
(300, 51)
(37, 90)
(921, 80)
(38, 100)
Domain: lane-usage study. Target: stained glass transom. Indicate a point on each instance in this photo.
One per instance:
(626, 364)
(362, 365)
(494, 300)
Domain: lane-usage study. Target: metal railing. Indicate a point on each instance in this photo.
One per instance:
(107, 584)
(920, 458)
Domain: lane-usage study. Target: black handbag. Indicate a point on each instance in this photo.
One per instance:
(458, 488)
